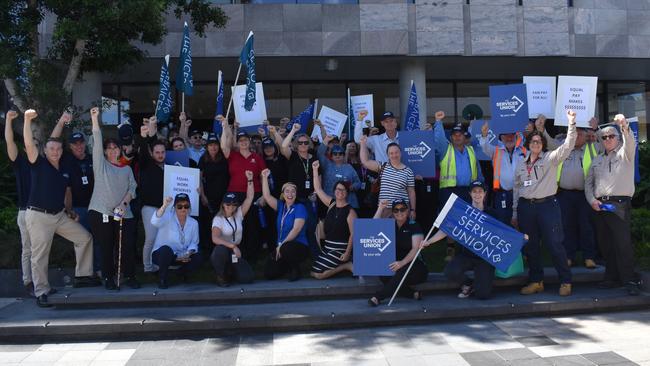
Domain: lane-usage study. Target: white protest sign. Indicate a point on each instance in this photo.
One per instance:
(577, 93)
(257, 114)
(333, 122)
(362, 108)
(180, 179)
(541, 95)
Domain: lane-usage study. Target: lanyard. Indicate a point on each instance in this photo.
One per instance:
(305, 166)
(234, 228)
(284, 216)
(529, 165)
(364, 173)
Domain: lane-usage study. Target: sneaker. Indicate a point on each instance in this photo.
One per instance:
(565, 289)
(86, 281)
(532, 288)
(29, 288)
(132, 282)
(373, 301)
(42, 302)
(109, 284)
(451, 252)
(633, 288)
(465, 291)
(590, 264)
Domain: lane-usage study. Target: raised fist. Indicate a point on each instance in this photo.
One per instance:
(571, 116)
(271, 130)
(168, 201)
(265, 173)
(540, 123)
(182, 117)
(144, 131)
(249, 175)
(315, 165)
(11, 115)
(65, 118)
(94, 112)
(620, 120)
(485, 129)
(440, 115)
(296, 127)
(30, 114)
(363, 140)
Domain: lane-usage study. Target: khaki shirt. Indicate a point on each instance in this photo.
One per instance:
(542, 180)
(613, 174)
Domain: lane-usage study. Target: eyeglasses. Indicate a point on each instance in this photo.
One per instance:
(539, 142)
(338, 154)
(403, 209)
(303, 142)
(182, 207)
(607, 137)
(341, 189)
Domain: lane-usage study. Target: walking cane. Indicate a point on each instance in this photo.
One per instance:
(119, 255)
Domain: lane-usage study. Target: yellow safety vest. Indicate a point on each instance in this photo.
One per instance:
(587, 157)
(448, 167)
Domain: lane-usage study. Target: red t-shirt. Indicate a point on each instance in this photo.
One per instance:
(238, 165)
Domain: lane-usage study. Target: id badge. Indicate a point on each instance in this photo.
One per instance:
(84, 180)
(528, 183)
(503, 204)
(428, 188)
(307, 184)
(234, 258)
(104, 218)
(363, 186)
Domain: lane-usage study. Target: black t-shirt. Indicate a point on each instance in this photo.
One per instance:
(215, 176)
(23, 179)
(279, 172)
(403, 236)
(301, 174)
(82, 179)
(48, 185)
(151, 176)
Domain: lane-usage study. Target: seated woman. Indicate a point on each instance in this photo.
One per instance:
(177, 240)
(408, 237)
(292, 248)
(335, 254)
(227, 230)
(465, 260)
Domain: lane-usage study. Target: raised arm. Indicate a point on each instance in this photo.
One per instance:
(323, 130)
(627, 136)
(275, 136)
(562, 152)
(486, 146)
(381, 206)
(318, 187)
(266, 192)
(28, 137)
(250, 193)
(12, 149)
(372, 165)
(183, 130)
(60, 124)
(98, 153)
(158, 218)
(285, 148)
(226, 136)
(440, 140)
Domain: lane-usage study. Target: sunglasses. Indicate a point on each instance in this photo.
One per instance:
(303, 142)
(403, 209)
(607, 137)
(182, 207)
(338, 154)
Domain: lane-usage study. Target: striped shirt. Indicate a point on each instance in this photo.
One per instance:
(394, 183)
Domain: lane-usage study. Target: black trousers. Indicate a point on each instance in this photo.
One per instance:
(251, 242)
(417, 275)
(106, 236)
(615, 241)
(291, 255)
(164, 257)
(221, 260)
(483, 274)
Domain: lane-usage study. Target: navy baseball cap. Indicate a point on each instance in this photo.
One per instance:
(213, 139)
(387, 114)
(241, 134)
(181, 197)
(458, 128)
(125, 133)
(76, 137)
(400, 201)
(337, 149)
(477, 184)
(267, 142)
(230, 198)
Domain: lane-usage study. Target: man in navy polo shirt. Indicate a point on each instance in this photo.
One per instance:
(46, 214)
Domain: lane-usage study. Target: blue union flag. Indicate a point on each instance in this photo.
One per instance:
(184, 81)
(412, 119)
(164, 104)
(247, 57)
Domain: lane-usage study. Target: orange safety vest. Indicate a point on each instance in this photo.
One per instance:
(496, 161)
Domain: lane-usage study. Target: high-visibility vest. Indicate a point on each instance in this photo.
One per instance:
(587, 157)
(448, 167)
(496, 161)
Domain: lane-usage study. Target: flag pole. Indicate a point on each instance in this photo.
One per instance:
(232, 93)
(410, 265)
(183, 102)
(350, 116)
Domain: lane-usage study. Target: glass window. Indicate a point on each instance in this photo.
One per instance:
(332, 95)
(440, 97)
(385, 97)
(629, 99)
(278, 101)
(474, 93)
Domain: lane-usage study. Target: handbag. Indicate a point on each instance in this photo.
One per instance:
(376, 185)
(516, 268)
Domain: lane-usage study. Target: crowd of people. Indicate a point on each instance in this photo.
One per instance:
(284, 199)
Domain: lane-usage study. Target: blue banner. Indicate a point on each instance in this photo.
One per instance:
(247, 57)
(216, 126)
(373, 247)
(485, 236)
(418, 152)
(303, 118)
(178, 158)
(164, 104)
(634, 127)
(509, 107)
(475, 131)
(412, 119)
(184, 82)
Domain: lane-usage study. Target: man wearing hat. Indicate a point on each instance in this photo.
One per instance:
(377, 144)
(193, 139)
(458, 164)
(609, 188)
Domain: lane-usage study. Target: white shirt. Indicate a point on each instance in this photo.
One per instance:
(170, 233)
(378, 143)
(230, 225)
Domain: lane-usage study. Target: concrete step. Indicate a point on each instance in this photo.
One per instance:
(268, 291)
(22, 321)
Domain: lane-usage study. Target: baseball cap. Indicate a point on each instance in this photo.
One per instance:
(400, 201)
(475, 184)
(195, 132)
(387, 114)
(230, 198)
(458, 128)
(212, 138)
(241, 134)
(181, 197)
(337, 149)
(268, 142)
(125, 133)
(76, 137)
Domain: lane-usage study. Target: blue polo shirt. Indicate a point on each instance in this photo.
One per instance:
(82, 178)
(23, 179)
(48, 185)
(286, 218)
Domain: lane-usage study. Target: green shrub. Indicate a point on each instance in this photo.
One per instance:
(641, 235)
(642, 190)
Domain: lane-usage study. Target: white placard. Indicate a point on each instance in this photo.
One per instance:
(333, 122)
(180, 179)
(579, 94)
(362, 107)
(257, 114)
(541, 96)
